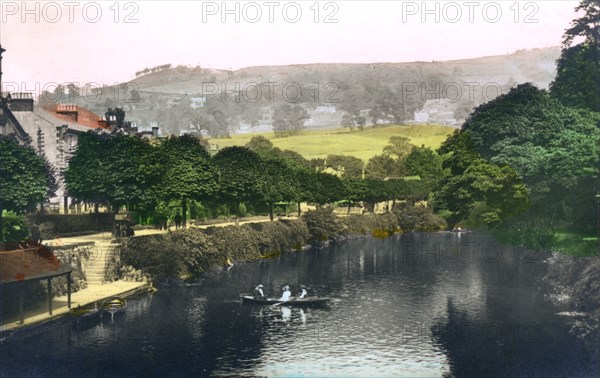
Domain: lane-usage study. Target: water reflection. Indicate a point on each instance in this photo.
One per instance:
(415, 305)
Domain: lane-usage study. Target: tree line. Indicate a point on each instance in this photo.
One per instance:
(130, 172)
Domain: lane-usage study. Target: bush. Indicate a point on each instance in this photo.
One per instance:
(154, 255)
(377, 225)
(417, 218)
(194, 251)
(322, 224)
(14, 227)
(242, 210)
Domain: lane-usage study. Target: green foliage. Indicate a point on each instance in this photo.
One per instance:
(553, 148)
(14, 227)
(155, 255)
(322, 225)
(398, 147)
(86, 175)
(323, 188)
(350, 166)
(577, 77)
(280, 236)
(424, 162)
(196, 250)
(239, 174)
(193, 251)
(278, 183)
(417, 218)
(578, 68)
(25, 177)
(378, 225)
(113, 169)
(355, 189)
(384, 166)
(260, 145)
(485, 193)
(187, 171)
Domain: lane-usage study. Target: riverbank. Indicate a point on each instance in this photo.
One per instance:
(574, 282)
(94, 292)
(193, 252)
(83, 297)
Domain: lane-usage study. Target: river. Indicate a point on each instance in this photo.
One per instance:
(413, 305)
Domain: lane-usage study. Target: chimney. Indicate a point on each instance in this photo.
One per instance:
(21, 102)
(68, 110)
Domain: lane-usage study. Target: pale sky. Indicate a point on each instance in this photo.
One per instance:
(107, 42)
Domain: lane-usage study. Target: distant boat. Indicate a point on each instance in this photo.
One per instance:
(310, 301)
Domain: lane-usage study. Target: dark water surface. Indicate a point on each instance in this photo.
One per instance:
(413, 305)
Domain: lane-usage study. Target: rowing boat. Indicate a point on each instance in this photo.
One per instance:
(311, 301)
(114, 305)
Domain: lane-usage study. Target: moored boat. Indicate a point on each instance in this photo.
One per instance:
(114, 305)
(310, 301)
(86, 312)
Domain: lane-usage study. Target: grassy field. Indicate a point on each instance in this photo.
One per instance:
(362, 144)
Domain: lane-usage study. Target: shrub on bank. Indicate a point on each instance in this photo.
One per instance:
(283, 235)
(237, 243)
(155, 255)
(377, 225)
(194, 251)
(417, 218)
(322, 224)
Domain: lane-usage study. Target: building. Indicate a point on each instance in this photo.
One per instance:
(53, 131)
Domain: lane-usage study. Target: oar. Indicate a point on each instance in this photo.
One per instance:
(280, 303)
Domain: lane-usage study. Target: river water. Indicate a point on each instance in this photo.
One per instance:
(413, 305)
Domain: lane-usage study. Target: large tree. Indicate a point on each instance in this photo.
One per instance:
(240, 174)
(278, 183)
(86, 177)
(485, 194)
(578, 68)
(110, 169)
(552, 147)
(349, 166)
(188, 173)
(423, 162)
(25, 178)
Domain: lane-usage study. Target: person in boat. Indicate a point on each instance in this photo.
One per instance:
(258, 292)
(303, 293)
(286, 294)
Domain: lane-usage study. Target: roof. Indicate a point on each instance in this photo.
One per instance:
(85, 118)
(30, 263)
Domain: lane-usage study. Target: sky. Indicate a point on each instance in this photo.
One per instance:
(106, 42)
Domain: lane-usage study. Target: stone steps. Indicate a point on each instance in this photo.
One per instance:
(95, 268)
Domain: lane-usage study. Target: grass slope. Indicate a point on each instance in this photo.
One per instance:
(361, 144)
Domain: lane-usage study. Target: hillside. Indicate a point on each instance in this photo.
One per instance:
(362, 144)
(536, 65)
(193, 99)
